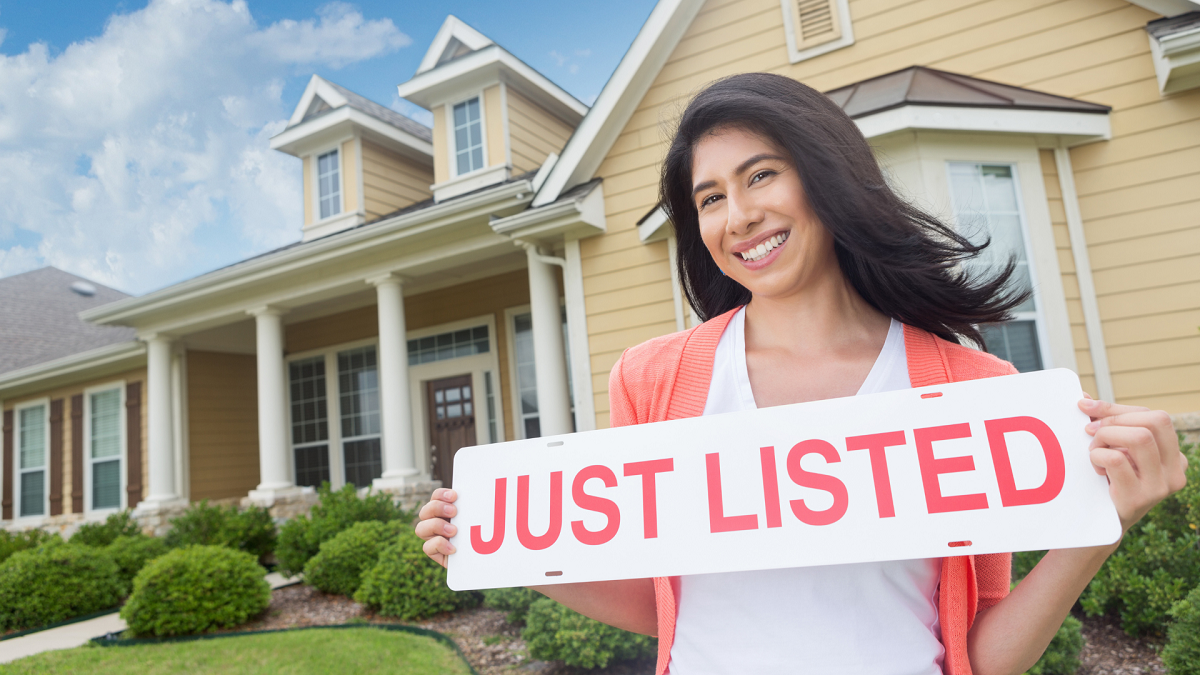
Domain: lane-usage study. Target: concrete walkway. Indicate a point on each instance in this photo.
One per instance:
(77, 634)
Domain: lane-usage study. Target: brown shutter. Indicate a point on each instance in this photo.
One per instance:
(133, 444)
(56, 457)
(6, 501)
(77, 466)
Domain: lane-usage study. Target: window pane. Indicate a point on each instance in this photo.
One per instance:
(106, 484)
(451, 345)
(359, 379)
(363, 462)
(312, 465)
(106, 424)
(33, 493)
(1015, 342)
(33, 437)
(491, 406)
(309, 405)
(329, 184)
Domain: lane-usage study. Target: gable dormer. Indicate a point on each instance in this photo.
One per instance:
(361, 161)
(493, 116)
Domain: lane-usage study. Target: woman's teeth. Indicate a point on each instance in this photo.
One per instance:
(760, 251)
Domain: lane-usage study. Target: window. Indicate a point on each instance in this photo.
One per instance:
(466, 342)
(310, 420)
(358, 391)
(32, 438)
(105, 448)
(986, 206)
(527, 373)
(329, 184)
(815, 27)
(490, 394)
(468, 136)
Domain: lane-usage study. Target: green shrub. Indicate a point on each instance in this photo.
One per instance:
(54, 582)
(131, 553)
(196, 589)
(555, 633)
(515, 601)
(1023, 563)
(120, 524)
(251, 530)
(1062, 655)
(341, 562)
(301, 538)
(405, 583)
(1182, 653)
(11, 542)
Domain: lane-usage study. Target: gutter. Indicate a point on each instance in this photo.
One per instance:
(70, 365)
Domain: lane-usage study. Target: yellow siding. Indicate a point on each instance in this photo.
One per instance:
(533, 132)
(476, 298)
(309, 182)
(493, 119)
(222, 394)
(65, 393)
(441, 150)
(390, 181)
(349, 176)
(1146, 180)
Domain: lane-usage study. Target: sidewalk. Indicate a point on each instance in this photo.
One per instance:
(76, 634)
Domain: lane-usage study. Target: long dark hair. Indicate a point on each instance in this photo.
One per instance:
(906, 263)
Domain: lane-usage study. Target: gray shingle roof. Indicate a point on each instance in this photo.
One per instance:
(41, 318)
(369, 107)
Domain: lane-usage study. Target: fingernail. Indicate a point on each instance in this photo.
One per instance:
(1090, 403)
(450, 510)
(450, 494)
(451, 529)
(452, 549)
(1092, 427)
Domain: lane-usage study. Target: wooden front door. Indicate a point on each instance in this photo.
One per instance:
(451, 409)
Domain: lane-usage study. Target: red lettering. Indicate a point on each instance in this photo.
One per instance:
(931, 468)
(546, 540)
(649, 470)
(818, 481)
(878, 444)
(597, 504)
(485, 547)
(770, 486)
(1056, 470)
(717, 520)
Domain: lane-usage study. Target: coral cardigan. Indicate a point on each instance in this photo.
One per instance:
(668, 378)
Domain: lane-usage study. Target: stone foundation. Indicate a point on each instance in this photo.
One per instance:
(414, 495)
(1189, 425)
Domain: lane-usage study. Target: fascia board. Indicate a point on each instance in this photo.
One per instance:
(296, 141)
(341, 244)
(620, 97)
(452, 27)
(1074, 127)
(48, 374)
(1177, 61)
(574, 219)
(652, 228)
(316, 87)
(1167, 8)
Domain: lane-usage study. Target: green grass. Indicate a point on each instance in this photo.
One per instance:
(352, 650)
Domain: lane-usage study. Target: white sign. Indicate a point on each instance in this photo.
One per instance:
(985, 466)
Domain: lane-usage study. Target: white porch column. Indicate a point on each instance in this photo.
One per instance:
(275, 477)
(161, 453)
(399, 460)
(549, 357)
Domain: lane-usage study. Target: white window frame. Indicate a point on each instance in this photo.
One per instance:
(792, 31)
(451, 141)
(122, 458)
(340, 188)
(514, 385)
(18, 474)
(314, 196)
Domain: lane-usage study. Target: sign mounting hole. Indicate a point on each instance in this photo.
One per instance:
(958, 544)
(554, 574)
(554, 444)
(932, 394)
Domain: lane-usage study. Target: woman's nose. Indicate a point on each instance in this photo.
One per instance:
(743, 214)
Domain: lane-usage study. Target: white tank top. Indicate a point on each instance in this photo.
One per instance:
(878, 618)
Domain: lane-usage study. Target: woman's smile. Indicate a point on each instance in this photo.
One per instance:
(761, 251)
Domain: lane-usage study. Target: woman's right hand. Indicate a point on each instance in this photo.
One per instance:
(435, 526)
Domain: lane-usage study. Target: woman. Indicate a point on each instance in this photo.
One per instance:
(817, 281)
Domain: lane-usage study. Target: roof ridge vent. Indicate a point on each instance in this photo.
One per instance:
(83, 288)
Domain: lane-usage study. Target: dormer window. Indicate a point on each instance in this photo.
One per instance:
(329, 182)
(468, 136)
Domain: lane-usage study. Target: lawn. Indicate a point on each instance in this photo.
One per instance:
(353, 650)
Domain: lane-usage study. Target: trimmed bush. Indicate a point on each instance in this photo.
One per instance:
(405, 583)
(196, 589)
(11, 542)
(300, 538)
(555, 633)
(1062, 655)
(1023, 563)
(515, 601)
(1182, 653)
(131, 553)
(120, 524)
(251, 530)
(341, 562)
(54, 582)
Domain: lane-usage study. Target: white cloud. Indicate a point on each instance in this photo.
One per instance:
(139, 157)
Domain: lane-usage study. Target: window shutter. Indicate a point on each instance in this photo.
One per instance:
(816, 22)
(133, 444)
(77, 465)
(56, 457)
(6, 497)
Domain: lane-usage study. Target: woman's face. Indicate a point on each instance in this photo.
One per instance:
(754, 217)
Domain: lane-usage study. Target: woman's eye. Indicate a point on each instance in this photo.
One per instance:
(709, 200)
(761, 175)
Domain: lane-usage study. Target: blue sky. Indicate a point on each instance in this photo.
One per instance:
(133, 135)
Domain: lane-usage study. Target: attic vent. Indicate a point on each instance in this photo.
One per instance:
(454, 49)
(315, 108)
(816, 19)
(815, 27)
(83, 288)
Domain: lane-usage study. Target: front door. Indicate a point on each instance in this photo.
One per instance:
(451, 422)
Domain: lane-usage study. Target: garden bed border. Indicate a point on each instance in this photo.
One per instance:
(64, 622)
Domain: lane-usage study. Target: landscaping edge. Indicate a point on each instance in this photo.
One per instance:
(65, 622)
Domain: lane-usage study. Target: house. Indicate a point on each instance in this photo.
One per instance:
(431, 262)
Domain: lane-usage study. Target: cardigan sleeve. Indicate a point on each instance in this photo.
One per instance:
(993, 577)
(621, 410)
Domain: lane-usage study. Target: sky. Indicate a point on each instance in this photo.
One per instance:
(134, 134)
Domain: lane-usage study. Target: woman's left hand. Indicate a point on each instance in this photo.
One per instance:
(1138, 449)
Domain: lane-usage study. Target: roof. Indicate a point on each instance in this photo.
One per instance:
(42, 322)
(921, 85)
(1161, 28)
(368, 107)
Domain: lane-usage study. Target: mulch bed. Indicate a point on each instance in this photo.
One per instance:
(494, 646)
